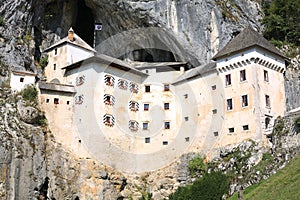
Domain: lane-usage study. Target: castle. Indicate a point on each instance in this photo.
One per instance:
(141, 116)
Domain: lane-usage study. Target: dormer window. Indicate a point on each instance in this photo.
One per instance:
(134, 88)
(109, 99)
(133, 106)
(122, 84)
(109, 120)
(133, 125)
(109, 80)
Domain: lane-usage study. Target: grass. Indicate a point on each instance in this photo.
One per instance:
(285, 184)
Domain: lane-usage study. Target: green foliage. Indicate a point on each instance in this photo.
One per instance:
(297, 121)
(43, 62)
(27, 38)
(279, 126)
(30, 93)
(282, 21)
(197, 165)
(211, 186)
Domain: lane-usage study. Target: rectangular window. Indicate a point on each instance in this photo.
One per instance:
(47, 100)
(266, 76)
(214, 87)
(54, 66)
(146, 106)
(246, 127)
(55, 51)
(186, 96)
(147, 88)
(216, 133)
(229, 104)
(244, 100)
(147, 140)
(165, 142)
(56, 100)
(214, 111)
(186, 119)
(167, 125)
(22, 79)
(243, 75)
(166, 87)
(231, 130)
(145, 126)
(166, 106)
(187, 139)
(268, 103)
(228, 79)
(68, 102)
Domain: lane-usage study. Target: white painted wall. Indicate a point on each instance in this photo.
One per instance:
(75, 54)
(17, 85)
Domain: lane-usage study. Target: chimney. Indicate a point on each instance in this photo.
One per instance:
(71, 35)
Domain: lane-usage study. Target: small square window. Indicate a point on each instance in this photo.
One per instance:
(56, 100)
(167, 125)
(268, 103)
(214, 87)
(187, 139)
(186, 119)
(166, 87)
(145, 126)
(246, 127)
(244, 100)
(216, 133)
(231, 130)
(228, 79)
(186, 96)
(147, 140)
(47, 100)
(147, 88)
(166, 106)
(229, 104)
(214, 111)
(146, 107)
(266, 76)
(54, 66)
(243, 75)
(22, 79)
(68, 102)
(165, 142)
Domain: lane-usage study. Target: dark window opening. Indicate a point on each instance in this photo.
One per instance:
(187, 139)
(55, 51)
(68, 102)
(186, 96)
(147, 88)
(47, 100)
(146, 107)
(166, 106)
(166, 87)
(54, 66)
(149, 55)
(214, 111)
(108, 120)
(267, 122)
(228, 79)
(214, 87)
(216, 133)
(244, 100)
(243, 75)
(246, 127)
(229, 104)
(167, 125)
(145, 126)
(266, 76)
(56, 100)
(165, 143)
(22, 79)
(133, 106)
(147, 140)
(231, 130)
(268, 103)
(186, 119)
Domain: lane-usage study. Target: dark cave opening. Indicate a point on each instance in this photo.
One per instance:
(150, 55)
(84, 24)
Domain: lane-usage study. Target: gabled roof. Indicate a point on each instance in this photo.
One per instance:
(201, 70)
(246, 39)
(25, 73)
(77, 42)
(114, 62)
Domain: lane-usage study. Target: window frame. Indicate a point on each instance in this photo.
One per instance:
(267, 101)
(266, 76)
(245, 101)
(147, 88)
(243, 75)
(229, 104)
(146, 105)
(228, 81)
(167, 106)
(167, 125)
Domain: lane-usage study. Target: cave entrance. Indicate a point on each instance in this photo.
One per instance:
(150, 55)
(84, 24)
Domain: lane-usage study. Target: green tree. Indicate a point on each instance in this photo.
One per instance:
(282, 21)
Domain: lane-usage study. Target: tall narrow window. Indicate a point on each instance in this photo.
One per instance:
(266, 76)
(228, 79)
(147, 88)
(146, 107)
(167, 125)
(109, 80)
(147, 140)
(243, 75)
(267, 122)
(54, 66)
(268, 103)
(166, 106)
(55, 51)
(229, 104)
(145, 126)
(244, 100)
(214, 87)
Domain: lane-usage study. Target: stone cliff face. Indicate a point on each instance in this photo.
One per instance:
(32, 164)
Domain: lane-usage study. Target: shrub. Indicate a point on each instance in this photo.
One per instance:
(211, 186)
(197, 165)
(1, 21)
(43, 62)
(30, 93)
(297, 121)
